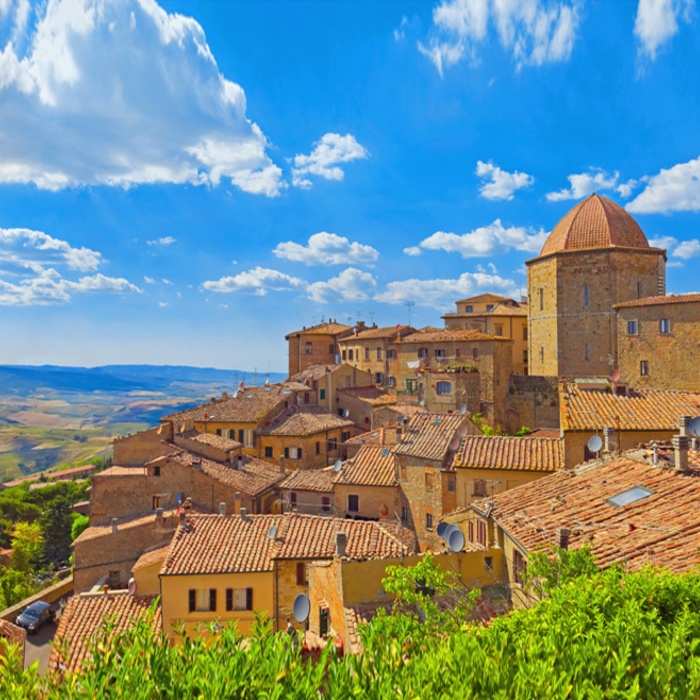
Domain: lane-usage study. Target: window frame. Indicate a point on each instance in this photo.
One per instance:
(665, 326)
(356, 502)
(633, 327)
(644, 368)
(443, 388)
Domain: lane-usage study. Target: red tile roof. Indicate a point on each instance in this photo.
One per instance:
(320, 480)
(151, 557)
(510, 453)
(219, 441)
(327, 328)
(662, 529)
(371, 466)
(658, 301)
(385, 435)
(596, 222)
(641, 409)
(125, 523)
(81, 620)
(452, 335)
(230, 544)
(379, 333)
(427, 436)
(371, 394)
(484, 298)
(304, 421)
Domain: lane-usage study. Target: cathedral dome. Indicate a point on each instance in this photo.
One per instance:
(596, 222)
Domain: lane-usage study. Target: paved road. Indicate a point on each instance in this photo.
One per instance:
(38, 647)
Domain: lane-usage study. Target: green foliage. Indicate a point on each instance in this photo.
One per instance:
(546, 571)
(15, 585)
(524, 430)
(27, 546)
(57, 523)
(608, 634)
(80, 523)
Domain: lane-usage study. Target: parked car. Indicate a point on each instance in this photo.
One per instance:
(35, 615)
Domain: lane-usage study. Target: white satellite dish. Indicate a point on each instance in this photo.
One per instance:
(456, 540)
(448, 531)
(346, 413)
(421, 402)
(595, 443)
(235, 394)
(338, 465)
(441, 528)
(132, 586)
(454, 444)
(694, 427)
(267, 382)
(272, 532)
(463, 409)
(302, 607)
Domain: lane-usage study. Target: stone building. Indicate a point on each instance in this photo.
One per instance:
(597, 256)
(658, 342)
(495, 315)
(325, 380)
(316, 345)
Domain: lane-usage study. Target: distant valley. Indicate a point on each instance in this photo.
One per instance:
(52, 415)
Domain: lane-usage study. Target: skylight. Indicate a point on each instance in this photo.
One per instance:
(630, 496)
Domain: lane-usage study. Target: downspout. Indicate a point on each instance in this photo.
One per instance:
(276, 586)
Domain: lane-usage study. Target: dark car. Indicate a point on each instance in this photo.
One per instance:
(35, 615)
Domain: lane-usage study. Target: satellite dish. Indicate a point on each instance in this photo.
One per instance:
(235, 394)
(694, 427)
(302, 607)
(267, 382)
(421, 402)
(448, 531)
(132, 586)
(595, 443)
(463, 409)
(454, 444)
(616, 375)
(182, 427)
(456, 540)
(338, 465)
(441, 528)
(272, 532)
(160, 430)
(346, 413)
(463, 430)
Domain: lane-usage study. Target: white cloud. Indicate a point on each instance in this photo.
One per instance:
(323, 160)
(400, 31)
(657, 22)
(327, 249)
(499, 184)
(534, 31)
(29, 275)
(687, 249)
(675, 189)
(120, 92)
(350, 285)
(442, 293)
(163, 304)
(677, 249)
(487, 240)
(412, 250)
(165, 240)
(667, 242)
(148, 280)
(585, 184)
(259, 280)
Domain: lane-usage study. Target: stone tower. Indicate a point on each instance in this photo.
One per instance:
(595, 257)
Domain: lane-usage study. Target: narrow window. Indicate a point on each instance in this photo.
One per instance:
(524, 357)
(354, 504)
(286, 453)
(232, 434)
(468, 309)
(241, 436)
(212, 599)
(428, 521)
(367, 354)
(379, 354)
(499, 330)
(331, 349)
(325, 503)
(318, 448)
(429, 480)
(268, 451)
(192, 600)
(639, 290)
(156, 502)
(471, 531)
(349, 354)
(451, 484)
(475, 353)
(518, 567)
(644, 368)
(229, 599)
(392, 382)
(156, 471)
(301, 573)
(293, 499)
(309, 349)
(524, 332)
(587, 351)
(631, 328)
(664, 325)
(541, 299)
(404, 514)
(218, 432)
(586, 300)
(481, 532)
(322, 394)
(345, 354)
(379, 378)
(541, 353)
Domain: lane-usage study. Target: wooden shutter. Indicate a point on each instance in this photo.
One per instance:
(192, 599)
(212, 599)
(299, 453)
(229, 599)
(286, 453)
(248, 598)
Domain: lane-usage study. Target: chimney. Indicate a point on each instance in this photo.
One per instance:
(159, 517)
(680, 449)
(282, 465)
(655, 447)
(341, 542)
(683, 425)
(244, 514)
(222, 508)
(695, 443)
(114, 525)
(610, 439)
(563, 534)
(240, 462)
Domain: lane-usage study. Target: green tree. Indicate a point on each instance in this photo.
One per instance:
(80, 523)
(56, 524)
(27, 546)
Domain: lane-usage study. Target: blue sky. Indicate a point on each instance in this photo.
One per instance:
(185, 182)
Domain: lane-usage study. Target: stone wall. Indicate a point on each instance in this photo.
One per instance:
(532, 402)
(136, 450)
(315, 452)
(371, 500)
(319, 354)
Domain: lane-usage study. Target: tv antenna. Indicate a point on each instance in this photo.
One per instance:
(409, 305)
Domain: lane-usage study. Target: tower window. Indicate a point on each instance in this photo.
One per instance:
(664, 325)
(468, 309)
(541, 299)
(639, 290)
(587, 351)
(644, 368)
(631, 328)
(541, 353)
(586, 299)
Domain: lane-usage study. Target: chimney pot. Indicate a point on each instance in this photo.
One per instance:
(563, 534)
(680, 450)
(222, 508)
(114, 524)
(240, 462)
(341, 542)
(244, 513)
(610, 440)
(159, 516)
(683, 425)
(283, 462)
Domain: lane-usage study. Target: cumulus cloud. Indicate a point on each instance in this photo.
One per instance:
(120, 92)
(687, 249)
(657, 22)
(596, 179)
(28, 274)
(677, 249)
(412, 250)
(259, 280)
(165, 240)
(323, 160)
(327, 249)
(486, 240)
(441, 293)
(675, 189)
(535, 32)
(350, 285)
(499, 184)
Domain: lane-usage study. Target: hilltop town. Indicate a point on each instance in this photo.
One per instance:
(565, 418)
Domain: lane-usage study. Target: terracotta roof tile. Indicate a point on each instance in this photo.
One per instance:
(314, 372)
(124, 523)
(544, 433)
(82, 617)
(642, 409)
(516, 453)
(484, 298)
(371, 394)
(153, 556)
(219, 441)
(379, 333)
(320, 480)
(371, 466)
(596, 222)
(662, 529)
(309, 420)
(455, 335)
(659, 301)
(428, 436)
(247, 405)
(328, 328)
(385, 435)
(13, 633)
(230, 544)
(121, 471)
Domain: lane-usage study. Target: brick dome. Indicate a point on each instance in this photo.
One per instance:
(596, 222)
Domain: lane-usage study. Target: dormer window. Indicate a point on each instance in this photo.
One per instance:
(489, 307)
